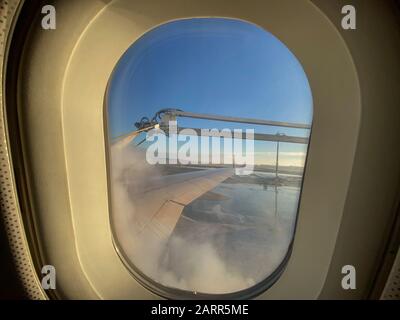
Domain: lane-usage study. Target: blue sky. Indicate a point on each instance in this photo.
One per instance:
(210, 65)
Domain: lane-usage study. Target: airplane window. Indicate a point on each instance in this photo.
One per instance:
(208, 125)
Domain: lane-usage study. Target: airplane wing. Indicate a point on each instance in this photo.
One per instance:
(159, 206)
(160, 202)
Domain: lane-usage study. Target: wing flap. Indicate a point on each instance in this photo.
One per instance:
(158, 210)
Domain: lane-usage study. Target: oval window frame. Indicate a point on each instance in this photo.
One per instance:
(181, 294)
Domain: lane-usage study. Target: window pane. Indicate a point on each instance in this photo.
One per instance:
(208, 122)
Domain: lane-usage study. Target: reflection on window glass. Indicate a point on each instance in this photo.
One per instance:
(209, 121)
